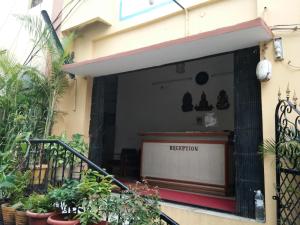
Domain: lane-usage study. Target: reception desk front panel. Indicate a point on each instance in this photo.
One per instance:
(199, 164)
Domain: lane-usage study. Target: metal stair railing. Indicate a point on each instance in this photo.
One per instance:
(53, 161)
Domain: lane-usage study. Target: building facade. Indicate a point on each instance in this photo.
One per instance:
(136, 62)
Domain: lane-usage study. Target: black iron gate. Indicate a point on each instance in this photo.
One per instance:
(287, 149)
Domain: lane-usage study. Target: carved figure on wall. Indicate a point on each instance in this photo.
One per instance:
(222, 100)
(187, 102)
(203, 104)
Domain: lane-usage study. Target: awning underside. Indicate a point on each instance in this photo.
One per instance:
(225, 39)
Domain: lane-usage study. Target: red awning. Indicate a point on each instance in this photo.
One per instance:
(239, 36)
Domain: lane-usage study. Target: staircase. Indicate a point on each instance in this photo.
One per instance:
(52, 162)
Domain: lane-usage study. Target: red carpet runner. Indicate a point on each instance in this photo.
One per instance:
(227, 205)
(198, 200)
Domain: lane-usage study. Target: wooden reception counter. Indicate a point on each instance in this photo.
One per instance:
(190, 161)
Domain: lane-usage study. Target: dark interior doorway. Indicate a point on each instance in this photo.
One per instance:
(103, 117)
(248, 164)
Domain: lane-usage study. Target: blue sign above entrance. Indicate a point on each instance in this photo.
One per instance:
(132, 8)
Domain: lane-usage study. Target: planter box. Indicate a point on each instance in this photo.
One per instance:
(8, 214)
(21, 218)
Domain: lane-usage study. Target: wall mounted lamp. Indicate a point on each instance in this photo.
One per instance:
(264, 70)
(278, 50)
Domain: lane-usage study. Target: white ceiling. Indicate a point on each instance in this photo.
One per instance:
(226, 39)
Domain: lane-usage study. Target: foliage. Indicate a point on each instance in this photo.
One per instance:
(68, 196)
(74, 194)
(13, 186)
(39, 203)
(22, 101)
(57, 81)
(28, 97)
(77, 142)
(21, 182)
(288, 151)
(6, 184)
(90, 213)
(138, 206)
(93, 185)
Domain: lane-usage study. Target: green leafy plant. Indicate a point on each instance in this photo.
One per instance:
(55, 77)
(288, 151)
(68, 196)
(77, 142)
(20, 205)
(139, 206)
(39, 203)
(90, 213)
(21, 182)
(94, 185)
(95, 189)
(6, 185)
(13, 186)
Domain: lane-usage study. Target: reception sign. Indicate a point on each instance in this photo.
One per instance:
(192, 162)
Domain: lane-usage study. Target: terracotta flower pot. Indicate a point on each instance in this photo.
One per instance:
(59, 219)
(102, 223)
(21, 218)
(38, 218)
(8, 214)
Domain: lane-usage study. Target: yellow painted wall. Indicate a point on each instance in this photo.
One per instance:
(74, 109)
(88, 11)
(98, 40)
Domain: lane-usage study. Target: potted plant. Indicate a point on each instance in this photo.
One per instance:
(39, 207)
(96, 190)
(68, 198)
(20, 215)
(84, 195)
(17, 184)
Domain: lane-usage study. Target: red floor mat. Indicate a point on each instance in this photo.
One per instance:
(227, 205)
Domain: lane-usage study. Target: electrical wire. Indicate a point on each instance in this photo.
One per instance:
(59, 14)
(293, 66)
(286, 25)
(32, 54)
(67, 15)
